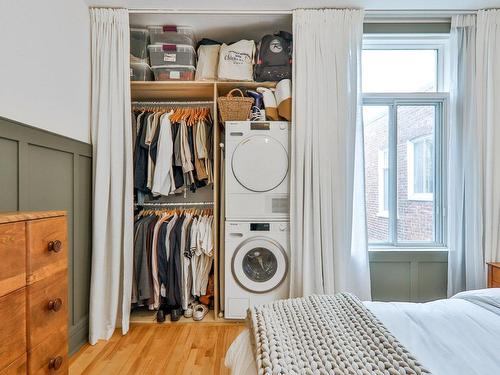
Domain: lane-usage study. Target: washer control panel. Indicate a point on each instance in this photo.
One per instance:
(260, 227)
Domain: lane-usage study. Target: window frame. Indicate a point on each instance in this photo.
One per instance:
(410, 170)
(382, 212)
(392, 101)
(440, 43)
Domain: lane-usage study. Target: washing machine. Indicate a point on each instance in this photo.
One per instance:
(257, 260)
(257, 170)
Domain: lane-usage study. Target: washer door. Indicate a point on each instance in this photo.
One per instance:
(259, 264)
(260, 163)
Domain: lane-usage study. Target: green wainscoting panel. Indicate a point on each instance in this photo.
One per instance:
(83, 255)
(390, 281)
(40, 170)
(408, 275)
(432, 280)
(8, 174)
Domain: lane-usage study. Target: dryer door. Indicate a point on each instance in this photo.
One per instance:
(260, 163)
(259, 264)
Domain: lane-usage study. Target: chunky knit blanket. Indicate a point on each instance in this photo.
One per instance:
(326, 335)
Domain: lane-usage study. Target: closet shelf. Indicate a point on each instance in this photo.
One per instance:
(179, 90)
(195, 90)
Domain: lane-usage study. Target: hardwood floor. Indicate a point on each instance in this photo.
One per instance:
(167, 349)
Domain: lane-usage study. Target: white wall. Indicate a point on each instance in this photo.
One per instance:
(45, 65)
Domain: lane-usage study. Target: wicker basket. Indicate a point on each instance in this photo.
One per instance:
(234, 108)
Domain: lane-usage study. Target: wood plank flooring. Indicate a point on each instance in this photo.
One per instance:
(166, 349)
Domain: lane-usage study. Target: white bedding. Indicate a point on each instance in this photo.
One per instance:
(456, 336)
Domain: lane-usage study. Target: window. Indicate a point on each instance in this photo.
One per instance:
(404, 125)
(383, 183)
(388, 70)
(420, 176)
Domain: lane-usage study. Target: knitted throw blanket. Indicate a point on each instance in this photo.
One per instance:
(326, 335)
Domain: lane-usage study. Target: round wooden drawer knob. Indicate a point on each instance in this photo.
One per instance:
(55, 246)
(55, 304)
(55, 363)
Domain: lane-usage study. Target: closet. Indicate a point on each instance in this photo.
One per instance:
(225, 27)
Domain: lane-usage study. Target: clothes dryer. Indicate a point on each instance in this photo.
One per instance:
(257, 170)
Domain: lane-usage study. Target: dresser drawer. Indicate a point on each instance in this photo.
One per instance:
(18, 367)
(12, 326)
(495, 274)
(49, 357)
(13, 256)
(47, 247)
(47, 308)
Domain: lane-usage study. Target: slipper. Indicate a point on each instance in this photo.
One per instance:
(188, 313)
(199, 312)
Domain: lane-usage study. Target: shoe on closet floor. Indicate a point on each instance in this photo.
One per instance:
(176, 314)
(199, 312)
(188, 313)
(160, 316)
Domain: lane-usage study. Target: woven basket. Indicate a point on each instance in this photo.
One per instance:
(234, 108)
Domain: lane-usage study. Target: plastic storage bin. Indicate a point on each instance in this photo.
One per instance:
(171, 35)
(139, 43)
(171, 54)
(140, 72)
(173, 73)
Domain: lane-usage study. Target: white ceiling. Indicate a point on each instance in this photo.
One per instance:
(293, 4)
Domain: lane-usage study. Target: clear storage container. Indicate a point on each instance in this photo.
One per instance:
(174, 73)
(140, 72)
(139, 43)
(171, 54)
(171, 35)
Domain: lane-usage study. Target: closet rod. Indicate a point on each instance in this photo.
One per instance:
(177, 204)
(173, 103)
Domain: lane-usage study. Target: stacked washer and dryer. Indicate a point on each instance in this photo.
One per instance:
(257, 247)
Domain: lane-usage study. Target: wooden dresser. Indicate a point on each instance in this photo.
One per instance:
(33, 293)
(493, 275)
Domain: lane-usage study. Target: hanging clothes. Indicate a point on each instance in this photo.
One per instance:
(162, 180)
(173, 150)
(173, 257)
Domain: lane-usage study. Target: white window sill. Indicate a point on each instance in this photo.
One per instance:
(383, 214)
(424, 197)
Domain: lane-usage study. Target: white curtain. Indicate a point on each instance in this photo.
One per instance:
(474, 155)
(488, 122)
(465, 241)
(112, 242)
(328, 220)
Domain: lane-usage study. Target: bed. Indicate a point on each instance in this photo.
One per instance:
(456, 336)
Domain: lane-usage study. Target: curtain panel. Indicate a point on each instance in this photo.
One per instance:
(474, 155)
(111, 277)
(328, 221)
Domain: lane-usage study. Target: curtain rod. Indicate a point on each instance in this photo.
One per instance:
(431, 13)
(205, 11)
(169, 204)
